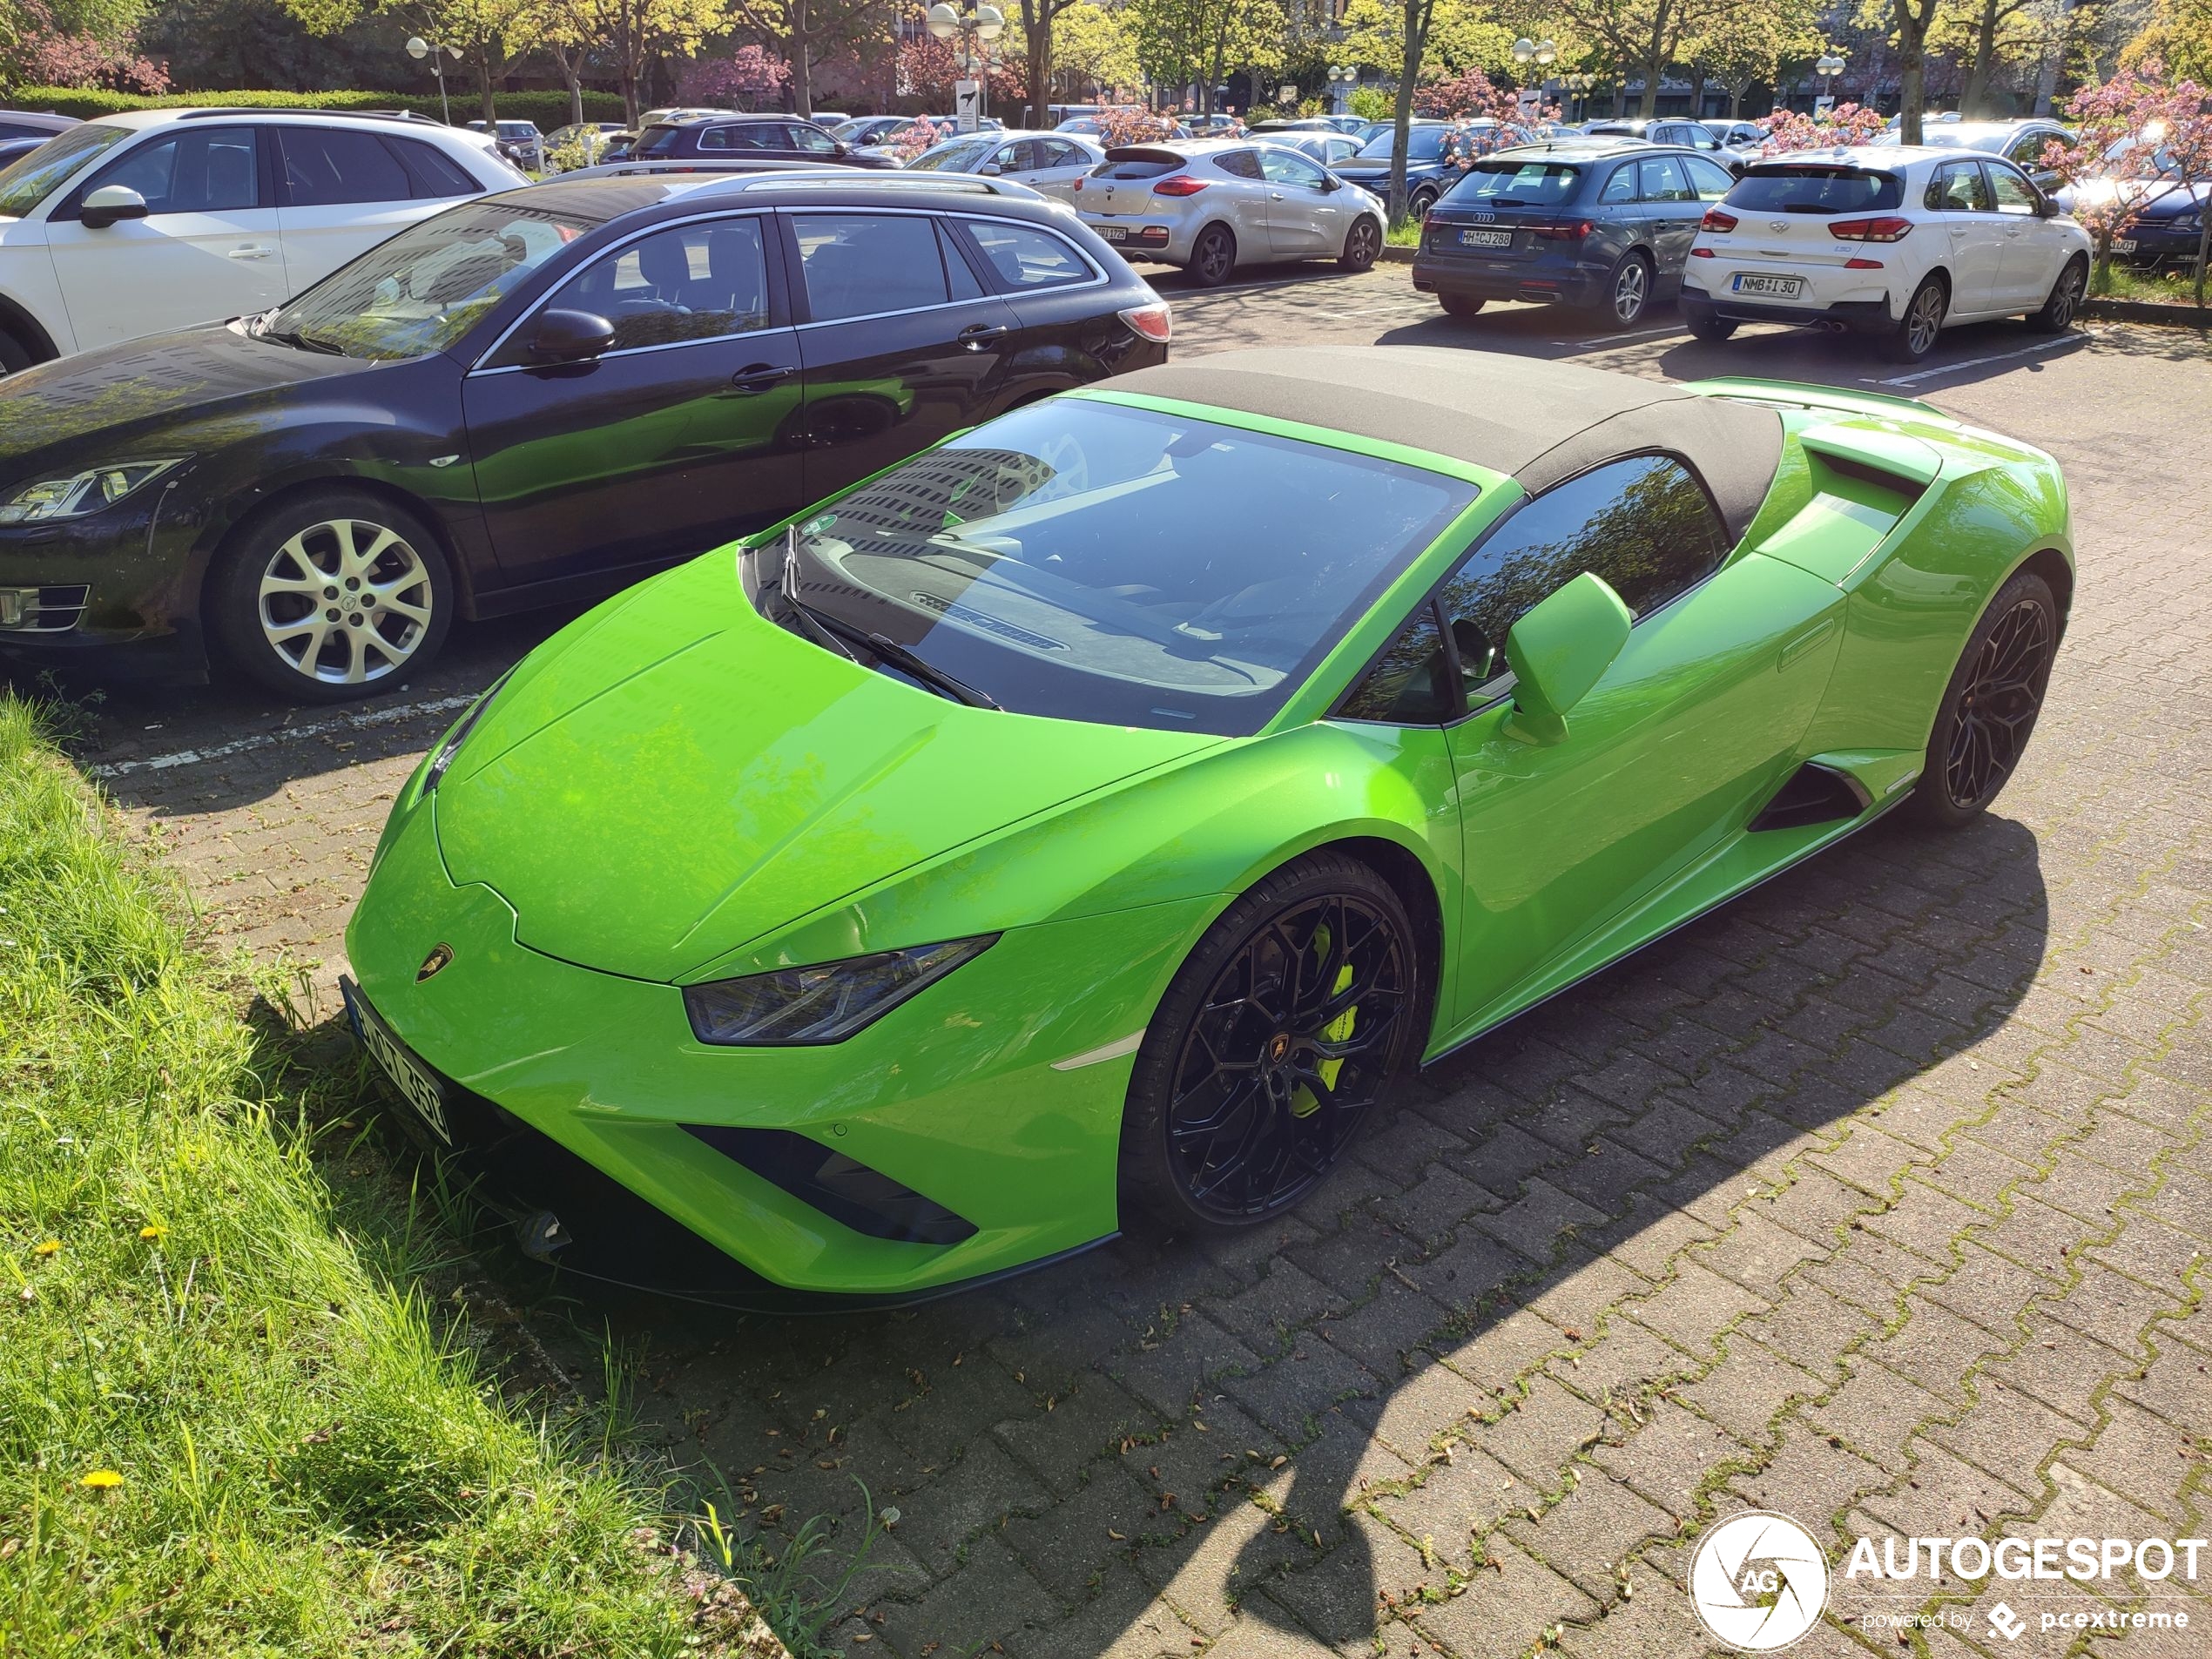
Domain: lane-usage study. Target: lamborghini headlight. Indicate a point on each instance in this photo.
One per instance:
(459, 735)
(81, 493)
(823, 1004)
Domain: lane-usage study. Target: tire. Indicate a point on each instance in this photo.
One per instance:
(1989, 708)
(1703, 325)
(1233, 1114)
(1628, 293)
(2064, 302)
(14, 356)
(1213, 256)
(1420, 201)
(1460, 305)
(1362, 244)
(1921, 325)
(281, 597)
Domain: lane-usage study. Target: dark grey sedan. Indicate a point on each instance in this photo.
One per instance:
(1603, 224)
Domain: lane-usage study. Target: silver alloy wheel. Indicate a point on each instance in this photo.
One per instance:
(2071, 282)
(1629, 288)
(346, 602)
(1925, 321)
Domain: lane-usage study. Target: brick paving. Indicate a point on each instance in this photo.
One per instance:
(1880, 1198)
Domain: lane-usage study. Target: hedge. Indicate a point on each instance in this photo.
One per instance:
(549, 110)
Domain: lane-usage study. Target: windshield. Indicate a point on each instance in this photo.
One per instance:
(1423, 143)
(1809, 189)
(950, 158)
(1518, 184)
(1047, 560)
(423, 289)
(33, 177)
(655, 139)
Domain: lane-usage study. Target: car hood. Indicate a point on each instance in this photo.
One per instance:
(674, 777)
(97, 405)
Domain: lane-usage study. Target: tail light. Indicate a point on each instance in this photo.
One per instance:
(1569, 229)
(1885, 229)
(1154, 321)
(1716, 221)
(1701, 253)
(1181, 184)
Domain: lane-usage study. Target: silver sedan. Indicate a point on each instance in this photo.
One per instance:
(1212, 204)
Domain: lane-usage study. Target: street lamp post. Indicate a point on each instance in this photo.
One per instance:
(972, 23)
(1542, 53)
(1577, 88)
(1342, 79)
(1830, 66)
(419, 48)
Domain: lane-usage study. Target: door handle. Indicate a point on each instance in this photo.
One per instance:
(982, 334)
(1275, 195)
(759, 377)
(251, 252)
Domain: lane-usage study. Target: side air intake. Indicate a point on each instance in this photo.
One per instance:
(843, 1188)
(1813, 795)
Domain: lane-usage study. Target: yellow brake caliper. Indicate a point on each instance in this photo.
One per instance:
(1306, 1102)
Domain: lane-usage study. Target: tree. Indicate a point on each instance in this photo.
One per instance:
(1038, 18)
(1644, 36)
(1981, 35)
(745, 78)
(481, 30)
(1910, 24)
(929, 68)
(1742, 44)
(1181, 42)
(1460, 37)
(1094, 49)
(1843, 126)
(2138, 138)
(2179, 34)
(75, 43)
(804, 33)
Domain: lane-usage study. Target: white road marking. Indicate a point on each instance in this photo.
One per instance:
(1592, 341)
(1976, 362)
(289, 734)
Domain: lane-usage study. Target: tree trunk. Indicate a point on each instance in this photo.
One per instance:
(1418, 13)
(1655, 62)
(487, 85)
(568, 58)
(1972, 103)
(802, 67)
(1036, 35)
(2047, 74)
(1912, 69)
(1696, 93)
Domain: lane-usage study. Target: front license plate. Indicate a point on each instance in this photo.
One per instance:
(1486, 239)
(409, 1075)
(1782, 287)
(2125, 245)
(1112, 232)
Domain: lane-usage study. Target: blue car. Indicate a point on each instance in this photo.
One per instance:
(1603, 224)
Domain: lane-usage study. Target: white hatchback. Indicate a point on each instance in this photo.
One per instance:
(1897, 243)
(1050, 162)
(159, 218)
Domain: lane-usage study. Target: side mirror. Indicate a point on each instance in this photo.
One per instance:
(1558, 651)
(843, 148)
(1330, 182)
(989, 169)
(110, 203)
(570, 337)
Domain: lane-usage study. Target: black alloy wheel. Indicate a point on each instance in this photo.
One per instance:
(1213, 256)
(1274, 1046)
(1990, 708)
(1362, 244)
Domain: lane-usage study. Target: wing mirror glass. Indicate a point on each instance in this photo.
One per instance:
(1558, 651)
(570, 337)
(989, 169)
(110, 203)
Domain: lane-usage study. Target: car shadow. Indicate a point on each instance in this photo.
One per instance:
(1376, 1392)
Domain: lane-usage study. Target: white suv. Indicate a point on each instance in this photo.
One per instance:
(1896, 242)
(159, 218)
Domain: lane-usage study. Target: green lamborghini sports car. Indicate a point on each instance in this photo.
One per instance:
(1086, 820)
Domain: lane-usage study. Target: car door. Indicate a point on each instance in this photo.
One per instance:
(1695, 723)
(1058, 164)
(209, 247)
(2026, 152)
(1972, 237)
(1305, 218)
(1241, 196)
(2033, 250)
(901, 343)
(340, 191)
(1672, 210)
(685, 434)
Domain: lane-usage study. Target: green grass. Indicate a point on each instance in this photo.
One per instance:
(195, 1300)
(1406, 233)
(2164, 287)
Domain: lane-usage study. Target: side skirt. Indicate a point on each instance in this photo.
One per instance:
(1521, 1002)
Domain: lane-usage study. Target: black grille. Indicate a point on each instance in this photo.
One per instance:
(1813, 795)
(843, 1188)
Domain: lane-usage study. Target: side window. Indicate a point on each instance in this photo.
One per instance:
(811, 141)
(1282, 167)
(1621, 187)
(431, 174)
(1407, 685)
(326, 167)
(860, 263)
(1239, 163)
(1058, 152)
(1027, 259)
(1010, 157)
(196, 172)
(2014, 194)
(959, 276)
(693, 282)
(1710, 179)
(1957, 188)
(717, 138)
(1643, 524)
(1662, 181)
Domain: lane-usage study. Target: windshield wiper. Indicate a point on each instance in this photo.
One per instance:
(927, 672)
(786, 589)
(835, 631)
(304, 342)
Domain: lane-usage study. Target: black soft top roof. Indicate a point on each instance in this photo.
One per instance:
(1537, 422)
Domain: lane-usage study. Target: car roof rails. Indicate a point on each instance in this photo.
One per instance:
(227, 111)
(937, 184)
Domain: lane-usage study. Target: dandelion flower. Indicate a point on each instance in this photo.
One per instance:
(152, 1234)
(102, 1480)
(50, 1247)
